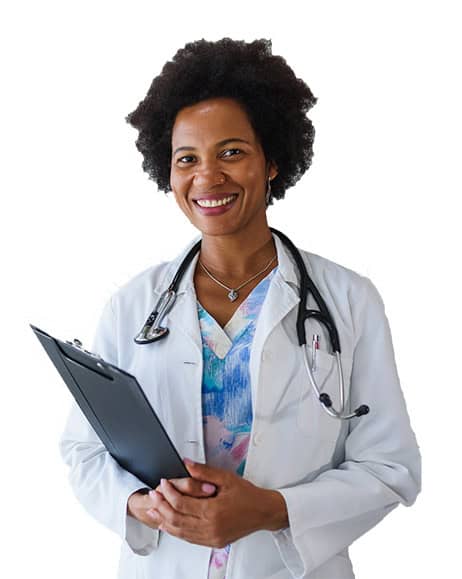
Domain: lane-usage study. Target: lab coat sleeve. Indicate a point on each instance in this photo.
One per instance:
(382, 465)
(99, 483)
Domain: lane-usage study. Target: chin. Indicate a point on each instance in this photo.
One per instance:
(217, 229)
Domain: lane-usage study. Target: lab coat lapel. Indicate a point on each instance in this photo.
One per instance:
(182, 363)
(183, 315)
(281, 298)
(185, 319)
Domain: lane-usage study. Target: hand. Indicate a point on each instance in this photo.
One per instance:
(141, 503)
(238, 509)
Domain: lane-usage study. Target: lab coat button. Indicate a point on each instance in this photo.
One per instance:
(266, 355)
(257, 438)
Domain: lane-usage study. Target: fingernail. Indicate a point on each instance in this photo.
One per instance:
(189, 462)
(208, 488)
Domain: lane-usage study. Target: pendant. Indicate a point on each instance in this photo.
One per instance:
(233, 295)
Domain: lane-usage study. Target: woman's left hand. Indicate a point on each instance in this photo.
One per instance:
(238, 508)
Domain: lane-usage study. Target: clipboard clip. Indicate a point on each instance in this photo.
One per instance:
(78, 344)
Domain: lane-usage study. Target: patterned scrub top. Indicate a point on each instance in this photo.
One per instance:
(226, 392)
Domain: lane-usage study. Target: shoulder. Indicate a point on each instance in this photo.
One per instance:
(348, 291)
(150, 282)
(332, 274)
(141, 286)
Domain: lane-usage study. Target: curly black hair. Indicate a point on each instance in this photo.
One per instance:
(275, 100)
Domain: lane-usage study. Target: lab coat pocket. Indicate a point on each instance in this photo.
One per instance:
(312, 420)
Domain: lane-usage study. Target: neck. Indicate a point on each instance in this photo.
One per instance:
(239, 254)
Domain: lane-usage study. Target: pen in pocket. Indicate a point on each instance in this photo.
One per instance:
(314, 347)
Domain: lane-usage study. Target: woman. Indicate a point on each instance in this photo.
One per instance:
(278, 488)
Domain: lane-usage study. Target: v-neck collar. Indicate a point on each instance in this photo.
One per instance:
(220, 340)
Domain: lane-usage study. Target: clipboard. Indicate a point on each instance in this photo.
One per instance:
(117, 408)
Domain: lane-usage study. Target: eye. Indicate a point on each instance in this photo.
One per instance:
(231, 152)
(186, 159)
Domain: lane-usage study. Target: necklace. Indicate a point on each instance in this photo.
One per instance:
(233, 293)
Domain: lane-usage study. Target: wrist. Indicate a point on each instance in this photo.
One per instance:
(275, 515)
(133, 499)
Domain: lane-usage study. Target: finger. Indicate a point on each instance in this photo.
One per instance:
(152, 497)
(181, 526)
(192, 487)
(171, 519)
(180, 503)
(190, 533)
(216, 476)
(184, 531)
(160, 505)
(154, 517)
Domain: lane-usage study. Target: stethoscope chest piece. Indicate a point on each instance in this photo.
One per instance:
(152, 335)
(152, 329)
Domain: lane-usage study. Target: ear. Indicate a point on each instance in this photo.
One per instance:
(272, 170)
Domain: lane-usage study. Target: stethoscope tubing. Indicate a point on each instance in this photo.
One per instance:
(307, 285)
(153, 331)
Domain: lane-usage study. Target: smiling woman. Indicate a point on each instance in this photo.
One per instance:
(208, 169)
(278, 488)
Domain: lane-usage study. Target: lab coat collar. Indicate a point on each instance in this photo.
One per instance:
(282, 297)
(287, 270)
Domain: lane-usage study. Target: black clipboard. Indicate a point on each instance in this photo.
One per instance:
(117, 408)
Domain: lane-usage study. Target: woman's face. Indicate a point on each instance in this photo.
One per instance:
(216, 157)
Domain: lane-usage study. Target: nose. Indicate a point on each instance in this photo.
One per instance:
(207, 175)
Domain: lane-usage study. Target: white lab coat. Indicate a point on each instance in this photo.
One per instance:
(338, 478)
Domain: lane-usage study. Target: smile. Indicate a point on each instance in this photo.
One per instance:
(215, 202)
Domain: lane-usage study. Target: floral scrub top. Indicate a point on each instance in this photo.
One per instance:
(226, 392)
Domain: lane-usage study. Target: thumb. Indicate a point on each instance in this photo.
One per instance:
(206, 473)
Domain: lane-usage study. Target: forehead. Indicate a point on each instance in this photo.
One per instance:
(211, 121)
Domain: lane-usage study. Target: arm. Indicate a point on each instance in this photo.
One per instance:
(382, 459)
(99, 483)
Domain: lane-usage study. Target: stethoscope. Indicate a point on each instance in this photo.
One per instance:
(153, 330)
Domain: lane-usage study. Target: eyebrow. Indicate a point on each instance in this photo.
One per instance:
(219, 144)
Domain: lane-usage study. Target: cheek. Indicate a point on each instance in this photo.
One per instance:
(174, 181)
(179, 181)
(180, 194)
(255, 178)
(254, 172)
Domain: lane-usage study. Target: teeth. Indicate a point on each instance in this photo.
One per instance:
(214, 202)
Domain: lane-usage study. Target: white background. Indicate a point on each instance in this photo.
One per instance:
(79, 218)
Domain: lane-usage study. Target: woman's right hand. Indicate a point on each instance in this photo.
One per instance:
(140, 503)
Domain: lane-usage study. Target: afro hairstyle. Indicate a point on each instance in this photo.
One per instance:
(276, 102)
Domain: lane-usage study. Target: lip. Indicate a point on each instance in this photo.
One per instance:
(214, 196)
(216, 210)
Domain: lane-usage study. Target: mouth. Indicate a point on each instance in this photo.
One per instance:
(215, 204)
